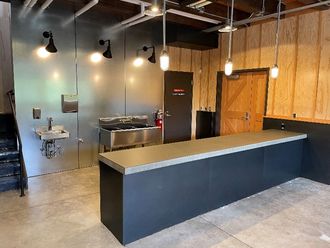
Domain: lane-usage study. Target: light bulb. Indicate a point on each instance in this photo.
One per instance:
(154, 8)
(227, 29)
(96, 57)
(42, 52)
(164, 61)
(228, 67)
(138, 62)
(274, 71)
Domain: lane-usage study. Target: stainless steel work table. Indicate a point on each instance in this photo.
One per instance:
(144, 190)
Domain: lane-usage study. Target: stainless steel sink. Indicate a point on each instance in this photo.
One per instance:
(56, 133)
(127, 131)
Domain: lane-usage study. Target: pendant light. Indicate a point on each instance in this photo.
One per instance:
(154, 10)
(229, 62)
(164, 58)
(227, 28)
(274, 71)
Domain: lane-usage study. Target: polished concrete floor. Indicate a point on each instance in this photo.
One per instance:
(62, 210)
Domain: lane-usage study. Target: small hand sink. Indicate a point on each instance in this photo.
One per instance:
(56, 133)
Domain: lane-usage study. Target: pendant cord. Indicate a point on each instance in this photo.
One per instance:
(164, 25)
(231, 29)
(277, 30)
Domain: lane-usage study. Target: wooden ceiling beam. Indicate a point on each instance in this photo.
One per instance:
(251, 6)
(306, 2)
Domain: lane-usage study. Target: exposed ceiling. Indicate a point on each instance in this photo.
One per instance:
(213, 9)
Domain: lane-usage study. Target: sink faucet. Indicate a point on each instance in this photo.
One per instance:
(50, 120)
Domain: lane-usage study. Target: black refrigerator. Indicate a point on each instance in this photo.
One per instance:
(205, 124)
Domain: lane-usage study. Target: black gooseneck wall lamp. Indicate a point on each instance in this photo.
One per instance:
(139, 60)
(152, 58)
(51, 48)
(107, 54)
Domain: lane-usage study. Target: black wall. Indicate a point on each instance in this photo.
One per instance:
(316, 151)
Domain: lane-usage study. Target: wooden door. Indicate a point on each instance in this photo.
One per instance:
(243, 103)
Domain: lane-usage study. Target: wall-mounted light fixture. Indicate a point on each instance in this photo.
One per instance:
(96, 57)
(51, 46)
(274, 71)
(229, 62)
(164, 57)
(42, 52)
(107, 54)
(139, 60)
(155, 9)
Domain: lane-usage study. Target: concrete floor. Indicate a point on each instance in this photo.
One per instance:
(62, 210)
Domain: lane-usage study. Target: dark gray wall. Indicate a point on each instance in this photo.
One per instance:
(316, 153)
(109, 88)
(6, 69)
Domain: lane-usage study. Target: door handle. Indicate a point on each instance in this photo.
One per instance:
(247, 116)
(167, 114)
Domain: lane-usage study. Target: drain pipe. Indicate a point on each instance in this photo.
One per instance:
(256, 19)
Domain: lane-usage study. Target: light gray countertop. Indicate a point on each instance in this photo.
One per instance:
(154, 157)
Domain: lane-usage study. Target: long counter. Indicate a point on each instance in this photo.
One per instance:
(145, 190)
(155, 157)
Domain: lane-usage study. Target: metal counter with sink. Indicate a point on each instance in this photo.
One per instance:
(127, 131)
(145, 190)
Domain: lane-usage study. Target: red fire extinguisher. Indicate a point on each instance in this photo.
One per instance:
(158, 117)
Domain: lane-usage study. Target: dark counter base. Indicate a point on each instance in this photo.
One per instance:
(316, 158)
(137, 205)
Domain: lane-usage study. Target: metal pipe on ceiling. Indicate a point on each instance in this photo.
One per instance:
(137, 2)
(143, 19)
(26, 3)
(46, 4)
(177, 12)
(86, 8)
(134, 18)
(32, 3)
(261, 18)
(193, 16)
(81, 11)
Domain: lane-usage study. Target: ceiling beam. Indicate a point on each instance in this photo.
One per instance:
(305, 2)
(251, 6)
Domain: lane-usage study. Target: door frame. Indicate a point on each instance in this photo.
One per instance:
(220, 74)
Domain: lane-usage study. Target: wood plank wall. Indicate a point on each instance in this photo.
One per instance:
(303, 86)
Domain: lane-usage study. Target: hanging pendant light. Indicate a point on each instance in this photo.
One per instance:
(227, 27)
(274, 71)
(154, 10)
(164, 57)
(229, 62)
